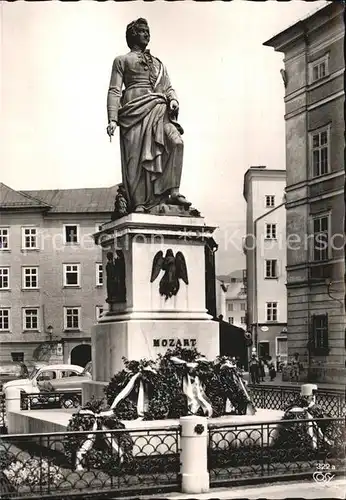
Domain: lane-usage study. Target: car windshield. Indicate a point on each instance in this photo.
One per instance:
(87, 369)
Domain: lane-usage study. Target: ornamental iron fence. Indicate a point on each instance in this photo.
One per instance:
(3, 421)
(50, 400)
(87, 463)
(268, 450)
(279, 398)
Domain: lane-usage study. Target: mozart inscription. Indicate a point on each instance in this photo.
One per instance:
(164, 342)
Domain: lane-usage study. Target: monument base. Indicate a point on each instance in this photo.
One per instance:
(252, 431)
(138, 339)
(157, 262)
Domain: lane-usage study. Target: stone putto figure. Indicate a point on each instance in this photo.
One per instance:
(120, 204)
(116, 279)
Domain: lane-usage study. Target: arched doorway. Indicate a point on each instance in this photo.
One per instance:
(81, 355)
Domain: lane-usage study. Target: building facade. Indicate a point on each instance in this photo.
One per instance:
(313, 76)
(232, 301)
(50, 272)
(265, 250)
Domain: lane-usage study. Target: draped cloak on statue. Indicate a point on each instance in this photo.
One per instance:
(150, 140)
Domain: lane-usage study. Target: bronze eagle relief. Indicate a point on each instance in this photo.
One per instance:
(174, 269)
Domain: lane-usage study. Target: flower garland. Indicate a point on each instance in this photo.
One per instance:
(189, 365)
(97, 451)
(33, 472)
(130, 390)
(311, 435)
(233, 387)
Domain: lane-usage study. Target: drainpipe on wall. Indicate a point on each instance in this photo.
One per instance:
(307, 162)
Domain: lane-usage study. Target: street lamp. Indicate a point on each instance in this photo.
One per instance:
(55, 346)
(50, 332)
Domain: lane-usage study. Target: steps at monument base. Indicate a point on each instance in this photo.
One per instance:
(153, 437)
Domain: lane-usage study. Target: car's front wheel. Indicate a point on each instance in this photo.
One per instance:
(69, 402)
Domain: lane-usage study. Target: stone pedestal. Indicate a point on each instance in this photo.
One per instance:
(147, 323)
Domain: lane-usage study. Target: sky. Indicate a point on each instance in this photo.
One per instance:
(56, 60)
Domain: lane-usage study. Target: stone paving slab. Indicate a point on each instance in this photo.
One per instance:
(295, 489)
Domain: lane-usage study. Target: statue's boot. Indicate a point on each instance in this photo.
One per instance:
(140, 209)
(179, 199)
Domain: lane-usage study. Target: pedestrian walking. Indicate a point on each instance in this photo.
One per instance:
(295, 370)
(254, 370)
(262, 372)
(278, 364)
(272, 371)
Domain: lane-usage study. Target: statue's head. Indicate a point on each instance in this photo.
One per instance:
(109, 255)
(137, 33)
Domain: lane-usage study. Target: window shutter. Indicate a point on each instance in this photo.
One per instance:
(312, 336)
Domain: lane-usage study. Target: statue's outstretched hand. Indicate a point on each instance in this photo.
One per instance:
(111, 128)
(174, 106)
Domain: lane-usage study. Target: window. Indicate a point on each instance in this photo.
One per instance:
(319, 69)
(72, 318)
(29, 238)
(30, 319)
(99, 311)
(319, 145)
(46, 375)
(243, 320)
(99, 274)
(243, 306)
(272, 311)
(71, 274)
(4, 319)
(231, 320)
(270, 201)
(320, 333)
(270, 231)
(321, 238)
(271, 269)
(68, 373)
(230, 307)
(281, 347)
(30, 277)
(4, 238)
(71, 234)
(17, 357)
(4, 278)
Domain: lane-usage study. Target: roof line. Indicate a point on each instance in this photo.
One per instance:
(71, 189)
(35, 199)
(27, 196)
(277, 171)
(300, 22)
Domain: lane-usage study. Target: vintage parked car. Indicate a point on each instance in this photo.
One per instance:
(32, 384)
(72, 383)
(12, 370)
